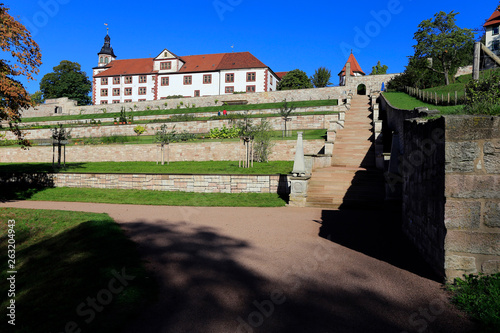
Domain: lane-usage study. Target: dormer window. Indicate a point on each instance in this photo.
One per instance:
(166, 65)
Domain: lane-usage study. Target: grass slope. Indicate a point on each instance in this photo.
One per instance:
(209, 167)
(404, 101)
(146, 197)
(62, 258)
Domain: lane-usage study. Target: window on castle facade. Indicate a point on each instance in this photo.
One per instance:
(128, 79)
(496, 45)
(142, 91)
(230, 77)
(143, 79)
(250, 89)
(116, 91)
(251, 77)
(207, 79)
(116, 101)
(229, 90)
(164, 81)
(104, 81)
(196, 93)
(188, 79)
(166, 65)
(128, 91)
(496, 30)
(104, 102)
(104, 92)
(116, 80)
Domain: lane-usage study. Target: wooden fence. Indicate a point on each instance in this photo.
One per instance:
(435, 98)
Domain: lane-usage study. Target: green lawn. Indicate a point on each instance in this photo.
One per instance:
(164, 198)
(210, 167)
(404, 101)
(174, 110)
(62, 259)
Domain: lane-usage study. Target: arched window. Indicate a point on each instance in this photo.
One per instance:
(106, 60)
(361, 89)
(101, 60)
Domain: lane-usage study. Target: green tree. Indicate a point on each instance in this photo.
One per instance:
(295, 79)
(445, 45)
(379, 69)
(24, 58)
(321, 77)
(67, 80)
(285, 111)
(37, 98)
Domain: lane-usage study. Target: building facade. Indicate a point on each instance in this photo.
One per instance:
(355, 70)
(131, 80)
(492, 27)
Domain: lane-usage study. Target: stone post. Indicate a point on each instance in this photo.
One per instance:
(299, 181)
(299, 167)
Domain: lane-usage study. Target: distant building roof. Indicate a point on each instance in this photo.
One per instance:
(281, 74)
(355, 67)
(494, 18)
(193, 63)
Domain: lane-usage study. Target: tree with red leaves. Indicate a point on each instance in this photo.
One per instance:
(25, 57)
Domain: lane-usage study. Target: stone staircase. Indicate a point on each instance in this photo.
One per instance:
(352, 180)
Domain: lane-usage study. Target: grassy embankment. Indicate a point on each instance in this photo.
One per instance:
(62, 258)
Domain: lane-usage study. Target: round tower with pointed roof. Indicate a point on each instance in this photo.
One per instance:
(106, 55)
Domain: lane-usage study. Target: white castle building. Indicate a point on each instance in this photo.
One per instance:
(130, 80)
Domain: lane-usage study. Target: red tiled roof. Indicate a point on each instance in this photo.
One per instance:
(128, 66)
(355, 67)
(194, 63)
(280, 74)
(494, 18)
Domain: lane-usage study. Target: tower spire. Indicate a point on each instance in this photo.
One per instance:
(106, 55)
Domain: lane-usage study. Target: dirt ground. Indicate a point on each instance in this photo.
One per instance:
(278, 270)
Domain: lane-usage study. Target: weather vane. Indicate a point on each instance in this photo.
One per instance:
(107, 28)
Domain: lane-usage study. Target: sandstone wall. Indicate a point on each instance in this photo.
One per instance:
(200, 151)
(204, 126)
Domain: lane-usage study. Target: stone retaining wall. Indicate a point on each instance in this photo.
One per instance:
(199, 151)
(184, 183)
(451, 192)
(68, 108)
(204, 126)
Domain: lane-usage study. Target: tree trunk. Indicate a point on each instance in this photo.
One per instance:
(58, 154)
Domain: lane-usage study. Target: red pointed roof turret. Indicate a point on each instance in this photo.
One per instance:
(355, 67)
(494, 18)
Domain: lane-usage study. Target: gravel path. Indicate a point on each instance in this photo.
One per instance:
(278, 270)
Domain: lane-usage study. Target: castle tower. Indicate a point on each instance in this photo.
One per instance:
(106, 55)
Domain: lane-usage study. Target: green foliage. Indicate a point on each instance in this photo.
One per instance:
(483, 96)
(139, 130)
(479, 295)
(446, 45)
(37, 98)
(224, 132)
(295, 79)
(174, 96)
(67, 80)
(163, 136)
(321, 77)
(263, 144)
(116, 139)
(379, 69)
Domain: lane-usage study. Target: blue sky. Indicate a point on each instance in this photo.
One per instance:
(285, 35)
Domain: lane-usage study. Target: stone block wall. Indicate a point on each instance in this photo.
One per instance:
(251, 98)
(198, 127)
(472, 210)
(199, 151)
(451, 192)
(174, 182)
